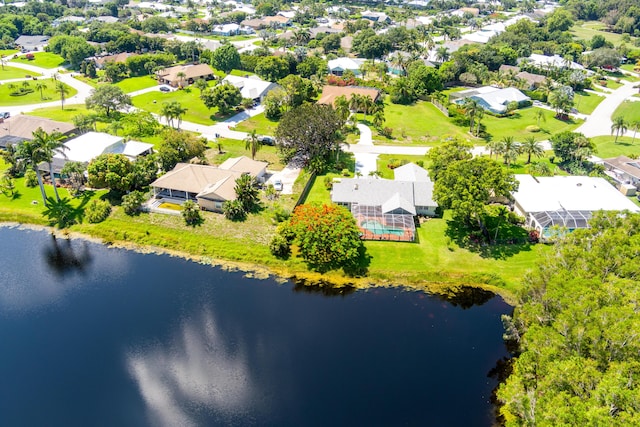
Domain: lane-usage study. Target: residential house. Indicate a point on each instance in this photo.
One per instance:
(623, 170)
(252, 87)
(313, 32)
(20, 128)
(231, 30)
(331, 93)
(101, 61)
(338, 66)
(490, 98)
(31, 43)
(276, 21)
(549, 62)
(375, 16)
(509, 69)
(209, 186)
(73, 19)
(565, 201)
(254, 23)
(106, 19)
(184, 75)
(90, 145)
(532, 80)
(386, 209)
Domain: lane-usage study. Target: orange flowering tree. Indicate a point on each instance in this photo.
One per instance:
(328, 238)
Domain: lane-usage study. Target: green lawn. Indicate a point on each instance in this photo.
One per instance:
(586, 31)
(66, 115)
(626, 145)
(133, 84)
(7, 52)
(629, 67)
(515, 125)
(586, 102)
(189, 98)
(436, 258)
(44, 60)
(235, 148)
(420, 124)
(630, 110)
(87, 80)
(9, 73)
(259, 123)
(48, 94)
(385, 159)
(612, 84)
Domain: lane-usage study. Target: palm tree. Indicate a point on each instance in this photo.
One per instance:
(253, 143)
(51, 143)
(115, 126)
(201, 85)
(301, 36)
(181, 76)
(354, 104)
(61, 88)
(635, 125)
(531, 147)
(366, 104)
(510, 150)
(619, 126)
(31, 154)
(41, 86)
(442, 54)
(167, 112)
(479, 116)
(494, 147)
(471, 107)
(179, 112)
(539, 115)
(400, 62)
(342, 107)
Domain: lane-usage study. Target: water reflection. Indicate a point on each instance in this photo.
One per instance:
(325, 289)
(63, 257)
(194, 375)
(466, 297)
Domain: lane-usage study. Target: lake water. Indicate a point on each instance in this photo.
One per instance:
(94, 336)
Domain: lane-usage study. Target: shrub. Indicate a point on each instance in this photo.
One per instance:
(285, 231)
(280, 214)
(387, 132)
(420, 163)
(132, 202)
(345, 172)
(30, 178)
(328, 183)
(279, 247)
(396, 163)
(191, 213)
(234, 210)
(516, 219)
(533, 128)
(97, 211)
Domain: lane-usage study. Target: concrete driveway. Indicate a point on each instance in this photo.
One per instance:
(599, 122)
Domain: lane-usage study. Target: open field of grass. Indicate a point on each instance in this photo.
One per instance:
(48, 94)
(612, 84)
(586, 102)
(189, 98)
(9, 73)
(133, 84)
(629, 67)
(235, 148)
(66, 115)
(385, 159)
(630, 110)
(43, 59)
(586, 30)
(7, 52)
(260, 124)
(420, 124)
(515, 125)
(627, 146)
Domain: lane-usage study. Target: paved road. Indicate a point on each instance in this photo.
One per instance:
(599, 122)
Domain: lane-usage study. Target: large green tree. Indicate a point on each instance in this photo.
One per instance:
(443, 155)
(572, 147)
(112, 171)
(107, 99)
(272, 68)
(225, 58)
(328, 236)
(467, 186)
(578, 331)
(311, 131)
(224, 96)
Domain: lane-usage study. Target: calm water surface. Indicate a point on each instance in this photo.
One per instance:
(91, 336)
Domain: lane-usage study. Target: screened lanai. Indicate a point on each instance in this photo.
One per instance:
(570, 220)
(376, 225)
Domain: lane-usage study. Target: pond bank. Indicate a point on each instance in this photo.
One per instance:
(443, 284)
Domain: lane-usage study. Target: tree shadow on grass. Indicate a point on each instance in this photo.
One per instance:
(510, 240)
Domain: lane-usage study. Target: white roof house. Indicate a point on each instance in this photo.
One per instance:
(90, 145)
(491, 98)
(339, 65)
(566, 201)
(554, 61)
(252, 87)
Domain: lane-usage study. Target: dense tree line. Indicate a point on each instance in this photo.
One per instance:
(578, 331)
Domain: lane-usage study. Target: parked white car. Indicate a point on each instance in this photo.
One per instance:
(277, 184)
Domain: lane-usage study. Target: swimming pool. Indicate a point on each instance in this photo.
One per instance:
(376, 227)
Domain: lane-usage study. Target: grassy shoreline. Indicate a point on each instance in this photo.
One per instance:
(257, 265)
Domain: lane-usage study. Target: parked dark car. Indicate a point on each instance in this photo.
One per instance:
(5, 115)
(165, 89)
(267, 140)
